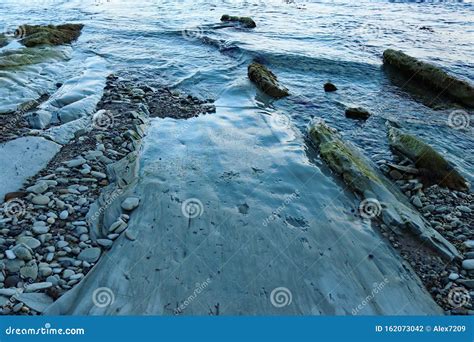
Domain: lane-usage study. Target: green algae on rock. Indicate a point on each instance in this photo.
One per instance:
(433, 167)
(431, 76)
(246, 22)
(265, 80)
(362, 178)
(34, 35)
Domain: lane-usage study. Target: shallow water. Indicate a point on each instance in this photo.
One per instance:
(245, 161)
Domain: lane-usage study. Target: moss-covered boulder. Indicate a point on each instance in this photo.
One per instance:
(362, 177)
(433, 167)
(246, 22)
(34, 35)
(357, 113)
(431, 76)
(265, 80)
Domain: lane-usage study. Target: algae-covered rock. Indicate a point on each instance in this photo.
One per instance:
(357, 113)
(433, 167)
(244, 21)
(431, 76)
(265, 80)
(362, 177)
(34, 35)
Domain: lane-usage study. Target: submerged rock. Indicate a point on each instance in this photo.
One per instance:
(362, 177)
(433, 167)
(329, 87)
(34, 35)
(357, 113)
(265, 80)
(431, 76)
(244, 21)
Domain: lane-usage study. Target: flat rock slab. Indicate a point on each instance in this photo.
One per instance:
(36, 301)
(22, 158)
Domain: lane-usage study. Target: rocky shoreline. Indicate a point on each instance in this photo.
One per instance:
(45, 228)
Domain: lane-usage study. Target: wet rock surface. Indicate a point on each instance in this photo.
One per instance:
(34, 35)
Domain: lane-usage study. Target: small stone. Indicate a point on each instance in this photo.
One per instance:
(40, 228)
(469, 244)
(38, 188)
(468, 264)
(131, 236)
(29, 271)
(64, 215)
(40, 200)
(357, 113)
(464, 209)
(105, 243)
(22, 252)
(12, 281)
(38, 286)
(50, 220)
(45, 271)
(75, 162)
(396, 175)
(329, 87)
(29, 241)
(130, 203)
(97, 174)
(68, 274)
(91, 254)
(453, 276)
(417, 202)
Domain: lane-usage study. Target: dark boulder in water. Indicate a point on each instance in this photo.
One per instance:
(266, 81)
(431, 76)
(34, 35)
(329, 87)
(433, 167)
(357, 113)
(244, 21)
